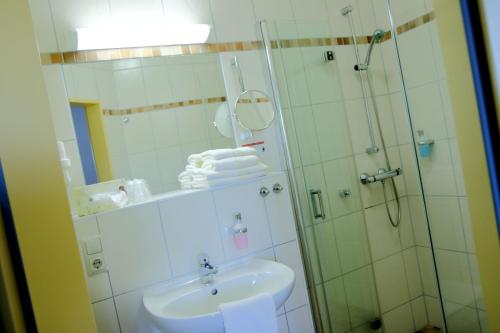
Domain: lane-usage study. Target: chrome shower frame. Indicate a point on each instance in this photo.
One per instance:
(294, 189)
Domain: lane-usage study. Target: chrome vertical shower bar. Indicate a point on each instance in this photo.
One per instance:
(306, 260)
(346, 11)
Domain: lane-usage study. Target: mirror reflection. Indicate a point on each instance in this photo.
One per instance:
(254, 110)
(142, 118)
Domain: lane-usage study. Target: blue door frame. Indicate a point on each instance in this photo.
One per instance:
(485, 95)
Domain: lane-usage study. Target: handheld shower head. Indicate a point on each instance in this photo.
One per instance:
(377, 36)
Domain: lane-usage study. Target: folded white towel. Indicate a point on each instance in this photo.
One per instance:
(251, 315)
(219, 154)
(231, 163)
(199, 174)
(214, 183)
(195, 160)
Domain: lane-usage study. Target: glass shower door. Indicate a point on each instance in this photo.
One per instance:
(324, 161)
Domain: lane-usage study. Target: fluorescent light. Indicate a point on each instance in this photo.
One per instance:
(141, 36)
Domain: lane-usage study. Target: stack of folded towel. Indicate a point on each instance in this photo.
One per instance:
(221, 167)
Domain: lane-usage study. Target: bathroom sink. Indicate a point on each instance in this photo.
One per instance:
(194, 307)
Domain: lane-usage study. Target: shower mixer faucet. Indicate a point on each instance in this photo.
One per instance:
(381, 176)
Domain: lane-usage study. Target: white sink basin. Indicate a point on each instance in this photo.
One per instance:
(192, 307)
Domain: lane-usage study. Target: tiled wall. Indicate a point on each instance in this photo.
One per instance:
(150, 244)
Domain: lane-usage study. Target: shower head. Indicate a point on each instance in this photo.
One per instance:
(377, 36)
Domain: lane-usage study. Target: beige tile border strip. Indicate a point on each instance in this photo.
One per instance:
(165, 106)
(76, 57)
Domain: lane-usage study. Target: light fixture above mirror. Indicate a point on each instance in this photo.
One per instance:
(113, 37)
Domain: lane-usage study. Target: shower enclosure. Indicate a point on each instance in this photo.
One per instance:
(375, 172)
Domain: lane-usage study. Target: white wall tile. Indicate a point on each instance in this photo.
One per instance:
(165, 129)
(134, 246)
(98, 285)
(192, 124)
(273, 10)
(399, 320)
(406, 10)
(352, 241)
(105, 316)
(412, 272)
(446, 223)
(461, 319)
(344, 178)
(280, 212)
(170, 163)
(417, 57)
(361, 295)
(300, 320)
(419, 312)
(85, 82)
(391, 282)
(426, 265)
(384, 238)
(43, 25)
(434, 312)
(59, 104)
(115, 135)
(191, 231)
(419, 221)
(332, 130)
(145, 166)
(426, 110)
(309, 10)
(246, 200)
(306, 135)
(289, 255)
(296, 80)
(455, 277)
(130, 88)
(132, 314)
(437, 171)
(105, 80)
(234, 21)
(337, 305)
(327, 254)
(138, 134)
(322, 77)
(157, 85)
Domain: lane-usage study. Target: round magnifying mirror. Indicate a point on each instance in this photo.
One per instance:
(254, 110)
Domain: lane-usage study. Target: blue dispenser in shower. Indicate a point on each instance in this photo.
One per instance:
(424, 144)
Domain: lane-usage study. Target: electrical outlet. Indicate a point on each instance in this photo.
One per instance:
(96, 264)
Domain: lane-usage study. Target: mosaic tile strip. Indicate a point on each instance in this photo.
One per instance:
(75, 57)
(165, 106)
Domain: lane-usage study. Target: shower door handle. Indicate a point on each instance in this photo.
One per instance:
(317, 205)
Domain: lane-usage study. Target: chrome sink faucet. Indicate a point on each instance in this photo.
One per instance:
(206, 270)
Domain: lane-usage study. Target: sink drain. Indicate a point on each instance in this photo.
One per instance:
(214, 291)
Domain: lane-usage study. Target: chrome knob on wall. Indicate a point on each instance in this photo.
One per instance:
(345, 193)
(264, 191)
(277, 188)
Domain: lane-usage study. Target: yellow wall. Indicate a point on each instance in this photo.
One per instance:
(35, 182)
(470, 142)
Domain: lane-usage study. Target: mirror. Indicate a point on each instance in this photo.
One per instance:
(254, 110)
(142, 118)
